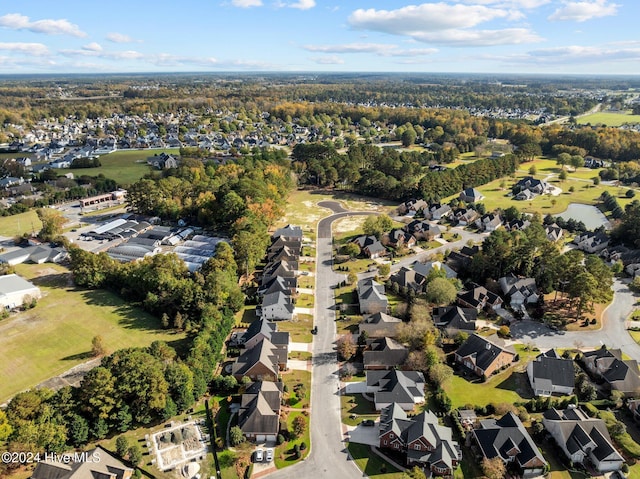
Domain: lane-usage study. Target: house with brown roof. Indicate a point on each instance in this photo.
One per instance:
(259, 413)
(379, 325)
(479, 298)
(262, 362)
(383, 353)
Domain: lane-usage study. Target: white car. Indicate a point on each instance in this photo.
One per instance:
(269, 455)
(259, 455)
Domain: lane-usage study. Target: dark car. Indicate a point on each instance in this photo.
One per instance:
(368, 422)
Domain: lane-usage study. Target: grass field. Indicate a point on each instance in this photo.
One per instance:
(372, 465)
(609, 118)
(125, 167)
(284, 453)
(17, 225)
(56, 335)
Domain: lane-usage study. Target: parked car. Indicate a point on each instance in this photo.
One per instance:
(259, 455)
(269, 455)
(368, 422)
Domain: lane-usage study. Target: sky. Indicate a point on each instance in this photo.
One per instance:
(457, 36)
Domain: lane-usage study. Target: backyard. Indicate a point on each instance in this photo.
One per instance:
(17, 225)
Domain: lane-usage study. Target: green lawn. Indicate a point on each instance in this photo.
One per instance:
(56, 335)
(284, 456)
(125, 167)
(355, 408)
(371, 464)
(291, 379)
(299, 328)
(609, 118)
(500, 388)
(17, 225)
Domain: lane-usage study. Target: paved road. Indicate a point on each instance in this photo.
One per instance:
(328, 457)
(613, 332)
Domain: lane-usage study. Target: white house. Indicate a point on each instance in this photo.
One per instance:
(14, 290)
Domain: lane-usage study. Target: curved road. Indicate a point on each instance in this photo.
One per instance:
(328, 457)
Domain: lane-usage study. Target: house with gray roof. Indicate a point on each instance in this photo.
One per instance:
(520, 291)
(383, 353)
(379, 325)
(434, 266)
(422, 439)
(409, 278)
(479, 298)
(484, 356)
(471, 195)
(15, 290)
(276, 306)
(507, 439)
(403, 387)
(259, 413)
(454, 319)
(489, 222)
(289, 231)
(619, 374)
(583, 439)
(549, 374)
(263, 329)
(371, 296)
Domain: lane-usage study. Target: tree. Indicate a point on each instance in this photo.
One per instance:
(440, 374)
(494, 468)
(533, 170)
(596, 180)
(97, 346)
(135, 454)
(384, 269)
(408, 137)
(78, 430)
(299, 426)
(352, 278)
(122, 446)
(563, 175)
(350, 249)
(236, 436)
(5, 427)
(346, 347)
(52, 222)
(576, 162)
(415, 473)
(441, 291)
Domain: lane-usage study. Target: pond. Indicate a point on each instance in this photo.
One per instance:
(591, 216)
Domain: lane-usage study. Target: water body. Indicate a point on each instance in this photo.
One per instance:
(591, 216)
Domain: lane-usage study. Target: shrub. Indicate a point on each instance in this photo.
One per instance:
(303, 446)
(279, 439)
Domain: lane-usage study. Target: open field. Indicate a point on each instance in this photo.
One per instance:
(17, 225)
(125, 167)
(609, 118)
(56, 335)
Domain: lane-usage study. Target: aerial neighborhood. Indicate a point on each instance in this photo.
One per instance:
(220, 288)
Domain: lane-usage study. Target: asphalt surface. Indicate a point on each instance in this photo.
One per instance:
(328, 457)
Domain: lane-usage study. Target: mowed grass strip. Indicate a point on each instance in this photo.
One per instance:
(609, 118)
(17, 225)
(125, 166)
(56, 335)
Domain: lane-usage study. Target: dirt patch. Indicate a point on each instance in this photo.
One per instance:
(348, 224)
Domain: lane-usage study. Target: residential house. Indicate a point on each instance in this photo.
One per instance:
(554, 232)
(96, 463)
(163, 161)
(583, 439)
(398, 238)
(517, 225)
(409, 279)
(371, 296)
(508, 439)
(591, 162)
(620, 374)
(406, 388)
(259, 413)
(424, 441)
(591, 242)
(383, 353)
(489, 222)
(283, 254)
(425, 269)
(465, 216)
(519, 291)
(484, 356)
(454, 319)
(262, 362)
(424, 230)
(279, 283)
(471, 195)
(534, 186)
(479, 298)
(288, 231)
(437, 211)
(262, 329)
(412, 206)
(379, 325)
(286, 269)
(634, 407)
(370, 246)
(460, 260)
(276, 306)
(551, 374)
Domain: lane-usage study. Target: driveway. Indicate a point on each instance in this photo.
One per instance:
(297, 310)
(299, 365)
(302, 347)
(364, 434)
(359, 387)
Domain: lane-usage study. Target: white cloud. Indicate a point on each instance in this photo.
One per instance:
(381, 49)
(36, 49)
(93, 47)
(583, 11)
(414, 19)
(578, 54)
(526, 4)
(16, 21)
(246, 3)
(119, 38)
(303, 4)
(480, 38)
(327, 60)
(117, 55)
